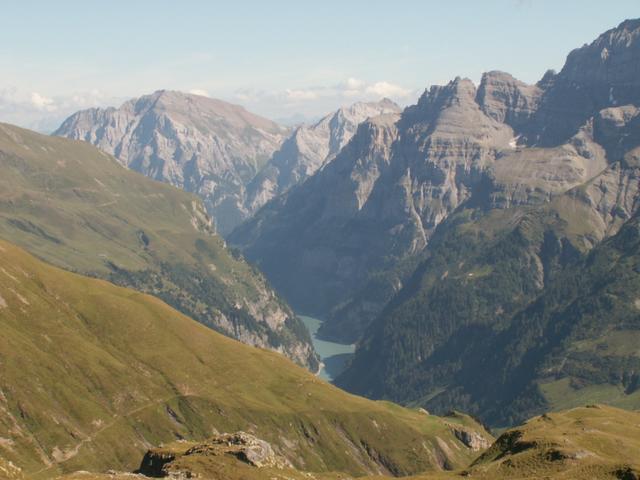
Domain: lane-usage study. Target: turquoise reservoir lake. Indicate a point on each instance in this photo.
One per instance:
(334, 355)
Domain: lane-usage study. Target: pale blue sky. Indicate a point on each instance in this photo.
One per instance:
(277, 58)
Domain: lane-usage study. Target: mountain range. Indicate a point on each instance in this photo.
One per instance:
(434, 233)
(235, 161)
(199, 144)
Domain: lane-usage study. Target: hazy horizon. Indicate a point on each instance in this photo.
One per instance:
(279, 62)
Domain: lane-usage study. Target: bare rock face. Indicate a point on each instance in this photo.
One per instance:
(234, 160)
(202, 145)
(244, 446)
(607, 64)
(309, 148)
(612, 196)
(528, 176)
(450, 142)
(471, 439)
(508, 100)
(316, 227)
(602, 74)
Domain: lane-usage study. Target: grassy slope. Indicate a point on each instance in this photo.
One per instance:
(592, 442)
(92, 374)
(77, 208)
(596, 443)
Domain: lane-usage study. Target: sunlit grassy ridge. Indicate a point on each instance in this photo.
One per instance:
(592, 442)
(91, 375)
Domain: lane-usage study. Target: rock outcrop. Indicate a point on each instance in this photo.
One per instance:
(471, 439)
(244, 446)
(161, 462)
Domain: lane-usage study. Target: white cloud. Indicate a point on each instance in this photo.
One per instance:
(353, 84)
(43, 113)
(42, 103)
(352, 88)
(315, 101)
(199, 91)
(386, 89)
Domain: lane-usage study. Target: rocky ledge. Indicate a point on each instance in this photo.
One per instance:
(162, 461)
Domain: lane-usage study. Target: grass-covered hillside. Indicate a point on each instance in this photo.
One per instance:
(92, 375)
(76, 207)
(594, 442)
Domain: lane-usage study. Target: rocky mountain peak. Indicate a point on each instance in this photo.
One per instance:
(375, 133)
(507, 99)
(598, 75)
(203, 145)
(547, 79)
(342, 124)
(458, 90)
(183, 106)
(606, 62)
(447, 114)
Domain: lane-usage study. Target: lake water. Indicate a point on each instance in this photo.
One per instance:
(333, 355)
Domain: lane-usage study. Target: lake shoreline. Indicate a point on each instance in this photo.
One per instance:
(332, 355)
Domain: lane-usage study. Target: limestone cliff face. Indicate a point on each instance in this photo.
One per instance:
(308, 149)
(234, 160)
(508, 100)
(202, 145)
(447, 143)
(612, 197)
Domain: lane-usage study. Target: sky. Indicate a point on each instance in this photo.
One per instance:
(286, 60)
